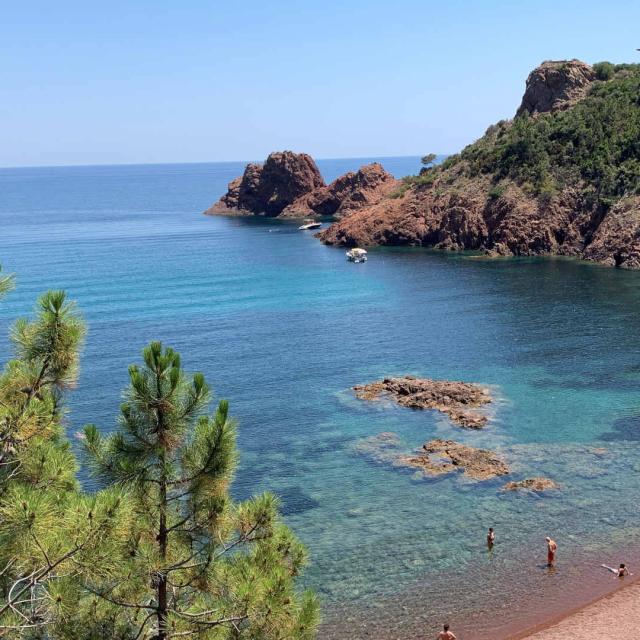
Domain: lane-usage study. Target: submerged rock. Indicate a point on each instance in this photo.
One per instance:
(455, 399)
(383, 448)
(531, 484)
(446, 456)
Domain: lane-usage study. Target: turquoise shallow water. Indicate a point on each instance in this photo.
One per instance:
(284, 327)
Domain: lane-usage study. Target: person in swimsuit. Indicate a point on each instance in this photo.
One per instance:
(552, 547)
(622, 570)
(491, 538)
(446, 634)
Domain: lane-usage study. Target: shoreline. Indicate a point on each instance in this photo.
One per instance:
(528, 609)
(591, 619)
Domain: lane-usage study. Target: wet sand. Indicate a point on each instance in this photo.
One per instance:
(616, 615)
(577, 600)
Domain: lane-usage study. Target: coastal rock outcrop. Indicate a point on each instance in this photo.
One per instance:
(458, 400)
(556, 85)
(289, 185)
(348, 193)
(617, 240)
(446, 456)
(562, 178)
(437, 457)
(538, 485)
(270, 188)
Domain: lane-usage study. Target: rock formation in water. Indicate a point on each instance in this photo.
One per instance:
(538, 485)
(348, 193)
(458, 400)
(436, 457)
(271, 187)
(289, 185)
(562, 177)
(446, 456)
(382, 448)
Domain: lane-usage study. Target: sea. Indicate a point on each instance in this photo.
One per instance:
(283, 327)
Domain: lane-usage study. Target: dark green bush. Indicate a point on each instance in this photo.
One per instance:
(497, 191)
(596, 143)
(604, 70)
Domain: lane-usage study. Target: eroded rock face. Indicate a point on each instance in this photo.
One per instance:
(270, 188)
(458, 400)
(555, 85)
(617, 239)
(468, 217)
(352, 191)
(531, 484)
(446, 456)
(289, 185)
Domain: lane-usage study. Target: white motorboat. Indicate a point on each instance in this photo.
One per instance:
(312, 224)
(356, 255)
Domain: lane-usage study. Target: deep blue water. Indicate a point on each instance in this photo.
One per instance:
(283, 327)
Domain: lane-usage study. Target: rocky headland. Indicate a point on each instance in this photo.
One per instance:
(562, 177)
(289, 185)
(460, 401)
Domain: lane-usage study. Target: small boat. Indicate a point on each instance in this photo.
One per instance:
(310, 224)
(356, 255)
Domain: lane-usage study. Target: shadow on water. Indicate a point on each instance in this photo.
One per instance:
(295, 501)
(625, 428)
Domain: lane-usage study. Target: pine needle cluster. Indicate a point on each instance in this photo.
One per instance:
(161, 551)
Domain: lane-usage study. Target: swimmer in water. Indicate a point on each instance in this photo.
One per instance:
(491, 538)
(621, 571)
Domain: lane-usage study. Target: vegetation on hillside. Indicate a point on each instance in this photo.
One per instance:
(161, 551)
(594, 145)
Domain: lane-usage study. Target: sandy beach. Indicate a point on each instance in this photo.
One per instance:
(616, 615)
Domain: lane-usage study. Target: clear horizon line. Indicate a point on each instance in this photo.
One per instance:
(160, 164)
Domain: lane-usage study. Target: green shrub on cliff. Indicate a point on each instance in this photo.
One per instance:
(604, 70)
(594, 145)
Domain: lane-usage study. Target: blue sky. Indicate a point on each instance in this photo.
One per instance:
(192, 81)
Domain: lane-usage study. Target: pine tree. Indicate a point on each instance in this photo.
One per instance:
(31, 392)
(6, 283)
(46, 524)
(197, 564)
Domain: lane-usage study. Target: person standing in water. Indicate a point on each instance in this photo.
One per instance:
(446, 634)
(491, 538)
(552, 547)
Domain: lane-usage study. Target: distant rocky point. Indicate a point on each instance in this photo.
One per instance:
(562, 177)
(460, 401)
(289, 185)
